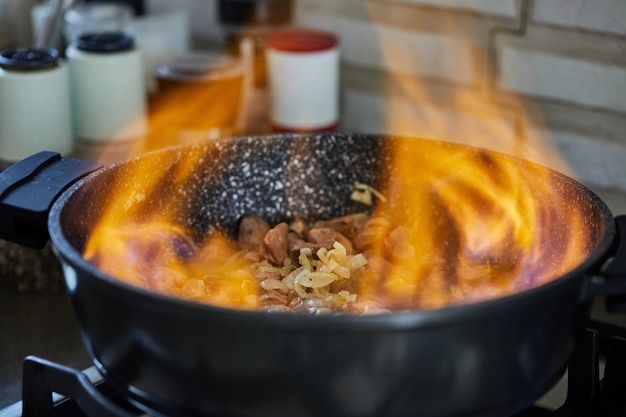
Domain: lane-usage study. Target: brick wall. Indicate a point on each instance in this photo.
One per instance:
(494, 73)
(564, 59)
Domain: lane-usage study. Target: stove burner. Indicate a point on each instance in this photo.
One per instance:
(587, 395)
(83, 396)
(86, 394)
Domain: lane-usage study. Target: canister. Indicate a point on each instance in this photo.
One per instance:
(303, 71)
(107, 88)
(35, 112)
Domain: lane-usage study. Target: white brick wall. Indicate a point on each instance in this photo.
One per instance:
(365, 112)
(598, 15)
(424, 54)
(593, 161)
(539, 73)
(506, 8)
(569, 56)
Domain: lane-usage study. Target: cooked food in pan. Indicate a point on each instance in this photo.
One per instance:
(358, 263)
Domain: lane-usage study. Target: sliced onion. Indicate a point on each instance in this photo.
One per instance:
(339, 249)
(330, 266)
(342, 271)
(273, 284)
(315, 279)
(291, 277)
(304, 258)
(357, 261)
(322, 254)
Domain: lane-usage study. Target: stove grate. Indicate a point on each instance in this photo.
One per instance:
(587, 394)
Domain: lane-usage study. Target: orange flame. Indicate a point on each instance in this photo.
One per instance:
(474, 224)
(481, 225)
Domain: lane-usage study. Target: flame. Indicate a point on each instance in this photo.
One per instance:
(141, 239)
(480, 226)
(468, 224)
(191, 112)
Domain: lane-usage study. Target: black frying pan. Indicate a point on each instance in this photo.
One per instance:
(175, 357)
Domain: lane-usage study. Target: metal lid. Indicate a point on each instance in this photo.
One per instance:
(198, 66)
(302, 40)
(138, 6)
(105, 42)
(253, 14)
(28, 59)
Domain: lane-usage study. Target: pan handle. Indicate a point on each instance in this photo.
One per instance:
(611, 281)
(27, 190)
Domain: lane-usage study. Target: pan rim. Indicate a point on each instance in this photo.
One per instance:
(389, 320)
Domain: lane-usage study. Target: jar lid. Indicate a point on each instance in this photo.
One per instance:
(28, 58)
(245, 14)
(302, 40)
(198, 66)
(105, 42)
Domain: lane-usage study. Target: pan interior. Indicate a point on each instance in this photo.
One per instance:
(482, 224)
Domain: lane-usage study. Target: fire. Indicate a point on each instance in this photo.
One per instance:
(480, 224)
(141, 238)
(468, 223)
(449, 224)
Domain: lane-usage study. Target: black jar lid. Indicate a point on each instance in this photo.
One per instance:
(138, 6)
(253, 14)
(28, 59)
(105, 42)
(198, 66)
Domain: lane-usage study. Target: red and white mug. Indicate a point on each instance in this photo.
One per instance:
(303, 71)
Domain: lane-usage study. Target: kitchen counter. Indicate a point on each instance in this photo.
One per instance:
(42, 324)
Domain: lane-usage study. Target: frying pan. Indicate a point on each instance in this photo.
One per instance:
(174, 357)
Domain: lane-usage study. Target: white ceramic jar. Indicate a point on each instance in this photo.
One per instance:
(107, 88)
(303, 71)
(35, 111)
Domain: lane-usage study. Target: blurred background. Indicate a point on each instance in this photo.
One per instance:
(516, 69)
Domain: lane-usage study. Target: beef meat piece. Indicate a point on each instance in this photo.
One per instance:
(252, 229)
(299, 227)
(273, 297)
(348, 225)
(326, 237)
(294, 248)
(274, 247)
(372, 233)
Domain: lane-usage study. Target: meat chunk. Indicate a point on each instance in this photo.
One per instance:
(373, 231)
(252, 229)
(274, 247)
(326, 237)
(273, 297)
(348, 225)
(299, 227)
(296, 246)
